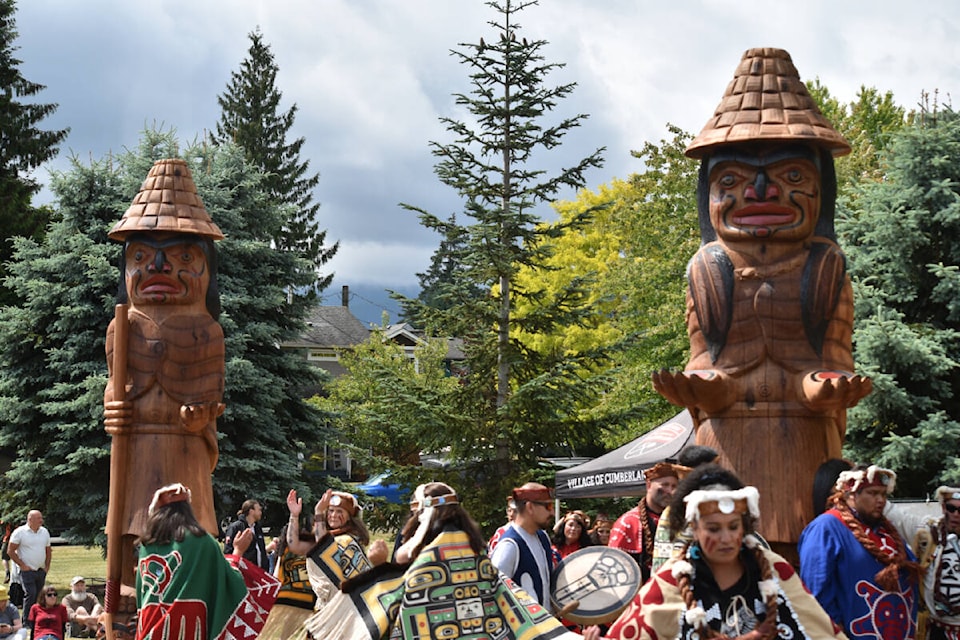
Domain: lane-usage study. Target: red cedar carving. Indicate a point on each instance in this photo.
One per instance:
(169, 354)
(769, 302)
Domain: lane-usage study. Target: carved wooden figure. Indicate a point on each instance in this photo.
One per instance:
(165, 354)
(769, 302)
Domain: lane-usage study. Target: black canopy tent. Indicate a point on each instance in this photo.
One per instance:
(620, 472)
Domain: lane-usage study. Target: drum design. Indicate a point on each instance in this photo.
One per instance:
(600, 580)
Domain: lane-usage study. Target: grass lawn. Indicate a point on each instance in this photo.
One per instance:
(68, 561)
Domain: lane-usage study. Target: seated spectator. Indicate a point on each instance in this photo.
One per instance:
(47, 616)
(83, 609)
(10, 626)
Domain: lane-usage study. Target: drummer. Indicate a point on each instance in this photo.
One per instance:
(725, 582)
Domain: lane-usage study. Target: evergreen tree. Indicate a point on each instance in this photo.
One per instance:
(521, 401)
(52, 364)
(250, 117)
(900, 236)
(444, 285)
(23, 147)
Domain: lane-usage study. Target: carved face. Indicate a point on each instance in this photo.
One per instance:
(166, 270)
(767, 197)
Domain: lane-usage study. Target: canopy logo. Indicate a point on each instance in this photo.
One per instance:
(609, 478)
(664, 435)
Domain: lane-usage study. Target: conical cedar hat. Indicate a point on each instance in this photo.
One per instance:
(167, 202)
(767, 102)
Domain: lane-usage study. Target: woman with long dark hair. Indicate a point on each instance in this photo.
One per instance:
(186, 587)
(726, 584)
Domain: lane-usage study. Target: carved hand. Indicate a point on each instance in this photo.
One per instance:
(704, 389)
(194, 417)
(117, 414)
(831, 390)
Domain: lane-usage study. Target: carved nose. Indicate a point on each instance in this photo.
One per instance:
(762, 189)
(160, 262)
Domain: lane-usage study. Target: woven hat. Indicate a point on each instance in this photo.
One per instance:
(167, 201)
(767, 102)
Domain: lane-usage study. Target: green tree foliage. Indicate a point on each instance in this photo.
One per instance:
(444, 285)
(868, 123)
(52, 365)
(900, 236)
(520, 401)
(657, 221)
(23, 147)
(251, 118)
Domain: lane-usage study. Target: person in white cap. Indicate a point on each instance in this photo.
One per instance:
(83, 608)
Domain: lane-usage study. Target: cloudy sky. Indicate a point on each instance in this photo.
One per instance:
(371, 77)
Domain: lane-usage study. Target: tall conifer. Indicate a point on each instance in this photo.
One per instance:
(251, 117)
(23, 146)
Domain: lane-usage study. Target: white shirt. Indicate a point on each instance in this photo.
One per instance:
(506, 558)
(33, 545)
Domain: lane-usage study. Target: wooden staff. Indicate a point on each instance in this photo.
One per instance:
(118, 469)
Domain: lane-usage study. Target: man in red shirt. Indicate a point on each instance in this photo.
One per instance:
(633, 531)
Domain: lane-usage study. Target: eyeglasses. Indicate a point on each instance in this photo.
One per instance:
(951, 508)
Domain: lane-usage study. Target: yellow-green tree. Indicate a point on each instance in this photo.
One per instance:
(634, 253)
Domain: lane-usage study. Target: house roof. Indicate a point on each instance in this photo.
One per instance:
(331, 326)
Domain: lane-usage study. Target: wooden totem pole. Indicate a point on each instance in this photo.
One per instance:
(769, 302)
(165, 355)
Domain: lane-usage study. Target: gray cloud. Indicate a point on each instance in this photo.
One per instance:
(371, 77)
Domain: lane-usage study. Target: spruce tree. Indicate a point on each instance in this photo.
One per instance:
(23, 147)
(521, 401)
(251, 118)
(900, 236)
(52, 363)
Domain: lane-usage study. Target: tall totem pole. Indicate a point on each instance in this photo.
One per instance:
(769, 301)
(165, 355)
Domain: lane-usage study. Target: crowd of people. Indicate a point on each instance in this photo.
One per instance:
(866, 570)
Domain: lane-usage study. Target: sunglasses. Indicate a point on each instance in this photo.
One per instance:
(545, 505)
(50, 593)
(951, 508)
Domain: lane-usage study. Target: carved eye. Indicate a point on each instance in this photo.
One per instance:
(793, 176)
(138, 255)
(186, 257)
(727, 180)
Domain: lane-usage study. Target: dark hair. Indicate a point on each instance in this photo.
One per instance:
(704, 476)
(171, 522)
(247, 506)
(825, 480)
(452, 515)
(585, 539)
(696, 455)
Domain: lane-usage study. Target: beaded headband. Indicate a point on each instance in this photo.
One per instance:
(704, 502)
